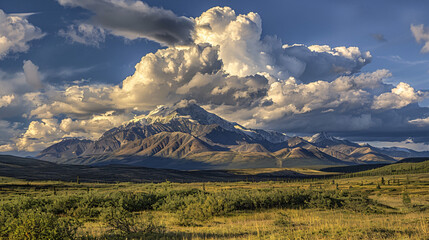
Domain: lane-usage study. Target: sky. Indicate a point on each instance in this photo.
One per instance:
(76, 68)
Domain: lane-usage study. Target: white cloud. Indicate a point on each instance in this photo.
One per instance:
(94, 127)
(38, 135)
(75, 101)
(400, 96)
(83, 33)
(45, 132)
(420, 121)
(15, 92)
(15, 33)
(32, 75)
(421, 34)
(244, 52)
(6, 100)
(343, 94)
(228, 68)
(159, 75)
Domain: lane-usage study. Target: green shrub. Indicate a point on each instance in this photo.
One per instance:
(134, 202)
(124, 221)
(63, 204)
(5, 219)
(22, 204)
(203, 208)
(119, 219)
(41, 225)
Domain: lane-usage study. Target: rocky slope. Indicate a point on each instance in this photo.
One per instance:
(188, 137)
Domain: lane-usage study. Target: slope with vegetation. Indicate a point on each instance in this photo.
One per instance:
(392, 207)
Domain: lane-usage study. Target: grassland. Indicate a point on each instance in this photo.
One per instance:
(367, 207)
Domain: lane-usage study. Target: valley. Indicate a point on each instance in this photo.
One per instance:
(352, 207)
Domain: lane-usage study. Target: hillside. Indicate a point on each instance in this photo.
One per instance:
(32, 169)
(399, 168)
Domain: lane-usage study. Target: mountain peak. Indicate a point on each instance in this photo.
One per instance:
(320, 137)
(182, 108)
(323, 139)
(159, 110)
(188, 110)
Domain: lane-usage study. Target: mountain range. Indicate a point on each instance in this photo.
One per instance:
(186, 136)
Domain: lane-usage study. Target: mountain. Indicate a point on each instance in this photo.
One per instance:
(398, 152)
(68, 148)
(166, 135)
(186, 136)
(324, 140)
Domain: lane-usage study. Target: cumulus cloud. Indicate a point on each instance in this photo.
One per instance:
(229, 64)
(230, 69)
(74, 101)
(32, 74)
(83, 33)
(158, 76)
(133, 19)
(287, 98)
(400, 96)
(45, 132)
(95, 126)
(16, 33)
(6, 100)
(421, 34)
(244, 52)
(16, 91)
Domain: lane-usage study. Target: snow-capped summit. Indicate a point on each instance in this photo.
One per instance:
(191, 112)
(184, 110)
(320, 137)
(323, 139)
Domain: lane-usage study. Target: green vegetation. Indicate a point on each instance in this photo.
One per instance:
(394, 169)
(371, 207)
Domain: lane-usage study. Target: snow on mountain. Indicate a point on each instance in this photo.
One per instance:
(193, 113)
(323, 139)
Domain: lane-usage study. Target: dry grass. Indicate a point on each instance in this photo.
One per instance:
(304, 224)
(400, 222)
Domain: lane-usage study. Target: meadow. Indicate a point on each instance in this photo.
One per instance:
(349, 207)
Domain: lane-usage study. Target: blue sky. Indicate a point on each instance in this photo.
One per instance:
(335, 23)
(381, 27)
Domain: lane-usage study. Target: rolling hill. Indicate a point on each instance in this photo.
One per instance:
(33, 169)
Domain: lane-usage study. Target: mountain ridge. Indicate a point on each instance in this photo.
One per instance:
(188, 135)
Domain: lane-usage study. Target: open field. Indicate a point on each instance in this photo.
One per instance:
(370, 207)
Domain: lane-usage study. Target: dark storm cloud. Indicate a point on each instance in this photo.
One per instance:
(364, 125)
(135, 19)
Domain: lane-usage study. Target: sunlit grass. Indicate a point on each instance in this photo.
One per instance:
(395, 221)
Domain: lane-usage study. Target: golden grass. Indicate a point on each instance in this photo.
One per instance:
(304, 224)
(400, 223)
